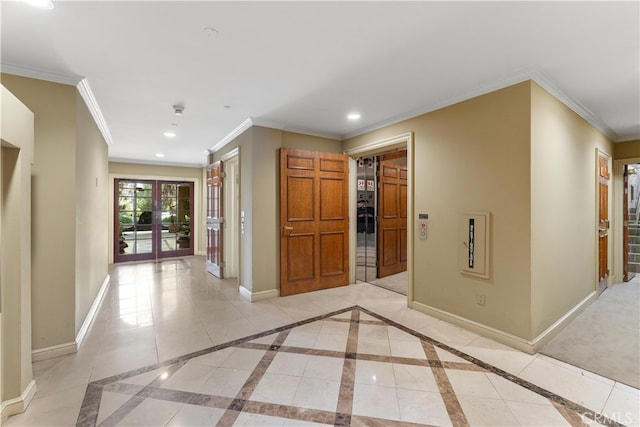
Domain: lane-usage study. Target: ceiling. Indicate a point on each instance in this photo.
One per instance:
(303, 66)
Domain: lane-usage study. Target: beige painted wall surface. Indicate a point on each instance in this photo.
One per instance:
(563, 206)
(119, 168)
(309, 142)
(92, 207)
(53, 208)
(266, 209)
(16, 157)
(472, 156)
(136, 170)
(626, 150)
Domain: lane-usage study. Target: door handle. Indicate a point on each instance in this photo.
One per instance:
(285, 228)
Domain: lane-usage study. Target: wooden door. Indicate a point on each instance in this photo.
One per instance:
(392, 214)
(215, 176)
(314, 221)
(603, 221)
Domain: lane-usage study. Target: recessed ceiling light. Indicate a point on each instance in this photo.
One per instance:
(353, 116)
(170, 134)
(159, 155)
(40, 4)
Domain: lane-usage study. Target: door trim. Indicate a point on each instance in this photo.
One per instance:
(607, 280)
(231, 213)
(401, 141)
(617, 193)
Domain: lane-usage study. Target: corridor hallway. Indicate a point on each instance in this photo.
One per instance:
(173, 345)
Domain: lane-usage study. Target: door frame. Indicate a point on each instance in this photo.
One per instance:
(601, 285)
(401, 141)
(617, 185)
(231, 213)
(197, 214)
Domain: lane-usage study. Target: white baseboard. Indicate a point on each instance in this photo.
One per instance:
(54, 351)
(88, 320)
(527, 346)
(258, 296)
(72, 347)
(553, 330)
(19, 404)
(484, 330)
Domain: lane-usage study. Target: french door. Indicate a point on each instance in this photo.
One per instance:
(153, 219)
(215, 263)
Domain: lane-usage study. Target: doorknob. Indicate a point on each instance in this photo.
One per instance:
(285, 228)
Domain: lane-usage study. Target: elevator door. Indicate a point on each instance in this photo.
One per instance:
(366, 219)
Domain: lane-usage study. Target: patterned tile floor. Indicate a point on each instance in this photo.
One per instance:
(175, 346)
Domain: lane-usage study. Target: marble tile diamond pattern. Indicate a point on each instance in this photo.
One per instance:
(351, 367)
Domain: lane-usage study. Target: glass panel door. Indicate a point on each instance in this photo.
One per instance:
(152, 219)
(176, 214)
(134, 220)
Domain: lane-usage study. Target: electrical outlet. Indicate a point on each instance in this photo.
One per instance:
(481, 299)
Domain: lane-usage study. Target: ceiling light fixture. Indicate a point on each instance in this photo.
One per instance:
(170, 134)
(159, 155)
(211, 32)
(178, 109)
(40, 4)
(353, 116)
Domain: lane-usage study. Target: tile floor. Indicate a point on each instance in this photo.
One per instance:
(396, 282)
(172, 345)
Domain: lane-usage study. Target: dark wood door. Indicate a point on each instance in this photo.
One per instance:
(603, 222)
(153, 219)
(215, 174)
(314, 221)
(392, 214)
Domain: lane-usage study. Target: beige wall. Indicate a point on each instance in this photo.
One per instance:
(265, 213)
(54, 207)
(16, 158)
(149, 171)
(626, 150)
(309, 142)
(563, 207)
(92, 192)
(472, 156)
(259, 194)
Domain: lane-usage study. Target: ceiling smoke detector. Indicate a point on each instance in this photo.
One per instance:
(178, 109)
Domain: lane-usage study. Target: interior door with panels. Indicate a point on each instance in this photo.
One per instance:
(392, 214)
(314, 221)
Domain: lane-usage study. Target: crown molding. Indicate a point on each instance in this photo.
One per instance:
(256, 121)
(151, 162)
(578, 107)
(81, 83)
(67, 79)
(87, 95)
(510, 80)
(232, 135)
